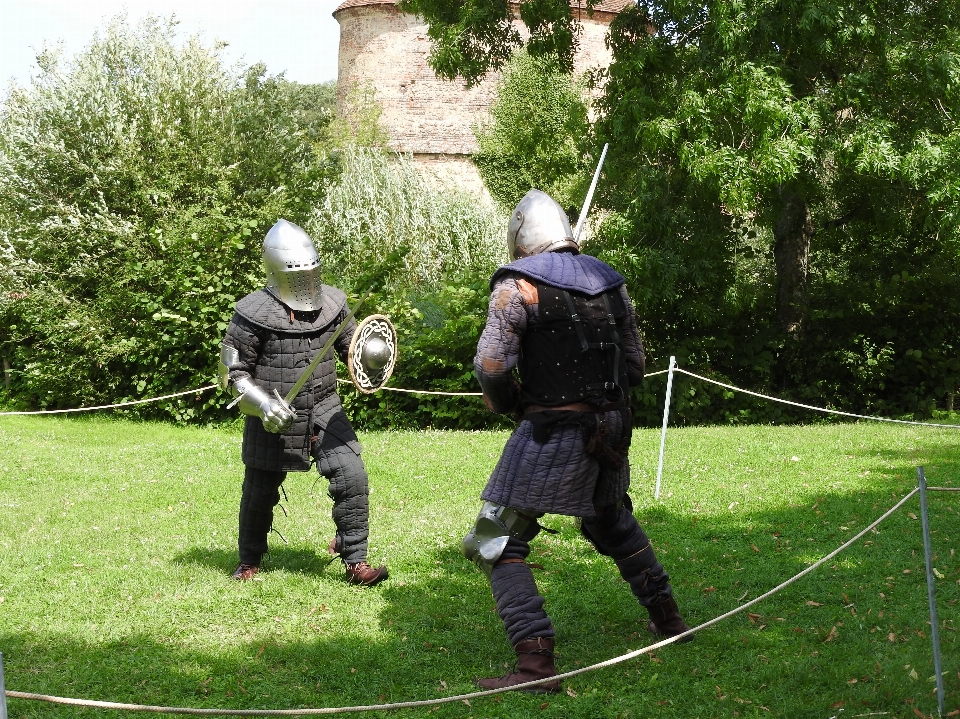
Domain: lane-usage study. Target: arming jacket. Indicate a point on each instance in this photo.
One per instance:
(275, 346)
(557, 470)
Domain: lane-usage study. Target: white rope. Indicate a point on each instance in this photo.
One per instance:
(119, 404)
(815, 409)
(460, 394)
(473, 695)
(423, 391)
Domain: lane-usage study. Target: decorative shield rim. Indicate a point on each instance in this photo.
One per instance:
(383, 327)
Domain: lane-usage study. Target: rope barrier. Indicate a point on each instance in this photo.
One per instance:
(212, 386)
(475, 695)
(461, 394)
(811, 407)
(119, 404)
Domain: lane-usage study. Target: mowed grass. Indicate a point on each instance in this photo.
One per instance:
(116, 539)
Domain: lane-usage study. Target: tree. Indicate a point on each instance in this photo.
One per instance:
(779, 163)
(533, 137)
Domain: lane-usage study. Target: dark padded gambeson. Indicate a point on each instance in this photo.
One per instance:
(549, 464)
(557, 476)
(275, 345)
(274, 349)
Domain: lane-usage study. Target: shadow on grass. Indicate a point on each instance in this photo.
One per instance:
(289, 558)
(847, 636)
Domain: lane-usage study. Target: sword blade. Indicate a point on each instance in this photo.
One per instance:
(305, 375)
(586, 202)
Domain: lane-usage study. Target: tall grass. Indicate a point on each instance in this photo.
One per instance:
(382, 204)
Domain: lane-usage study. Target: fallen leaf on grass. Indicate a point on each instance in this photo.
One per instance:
(467, 702)
(710, 589)
(892, 637)
(542, 706)
(851, 681)
(912, 516)
(837, 705)
(262, 647)
(919, 713)
(914, 675)
(832, 635)
(571, 693)
(754, 548)
(812, 603)
(937, 573)
(720, 694)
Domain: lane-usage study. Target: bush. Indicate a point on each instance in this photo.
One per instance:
(381, 204)
(534, 137)
(429, 252)
(131, 183)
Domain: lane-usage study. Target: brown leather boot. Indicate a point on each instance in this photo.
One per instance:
(360, 572)
(534, 661)
(244, 572)
(363, 573)
(665, 621)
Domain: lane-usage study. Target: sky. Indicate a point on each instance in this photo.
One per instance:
(297, 37)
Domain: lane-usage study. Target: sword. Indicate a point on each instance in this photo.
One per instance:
(302, 380)
(586, 202)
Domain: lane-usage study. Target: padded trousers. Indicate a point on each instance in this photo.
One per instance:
(614, 532)
(349, 490)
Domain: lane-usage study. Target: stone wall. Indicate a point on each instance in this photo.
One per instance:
(430, 118)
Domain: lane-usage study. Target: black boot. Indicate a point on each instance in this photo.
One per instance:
(534, 661)
(665, 620)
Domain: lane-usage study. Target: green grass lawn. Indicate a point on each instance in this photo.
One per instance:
(116, 540)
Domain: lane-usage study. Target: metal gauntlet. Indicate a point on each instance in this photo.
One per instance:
(276, 414)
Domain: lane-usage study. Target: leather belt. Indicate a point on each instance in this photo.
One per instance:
(575, 407)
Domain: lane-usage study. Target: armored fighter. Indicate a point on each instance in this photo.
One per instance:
(564, 322)
(274, 335)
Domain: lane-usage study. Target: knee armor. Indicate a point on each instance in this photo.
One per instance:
(494, 527)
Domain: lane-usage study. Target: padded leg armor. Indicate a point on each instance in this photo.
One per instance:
(349, 490)
(261, 493)
(499, 544)
(616, 533)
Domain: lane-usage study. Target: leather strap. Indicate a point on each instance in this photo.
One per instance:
(575, 407)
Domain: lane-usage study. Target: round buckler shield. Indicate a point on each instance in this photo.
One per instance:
(372, 354)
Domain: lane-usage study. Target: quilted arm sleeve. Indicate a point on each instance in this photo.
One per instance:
(499, 347)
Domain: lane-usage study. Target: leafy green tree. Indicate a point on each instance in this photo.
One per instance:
(533, 137)
(316, 104)
(782, 181)
(135, 184)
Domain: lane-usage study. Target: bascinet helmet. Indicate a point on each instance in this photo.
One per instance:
(538, 224)
(293, 267)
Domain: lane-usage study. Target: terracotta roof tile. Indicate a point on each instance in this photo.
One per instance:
(611, 6)
(359, 3)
